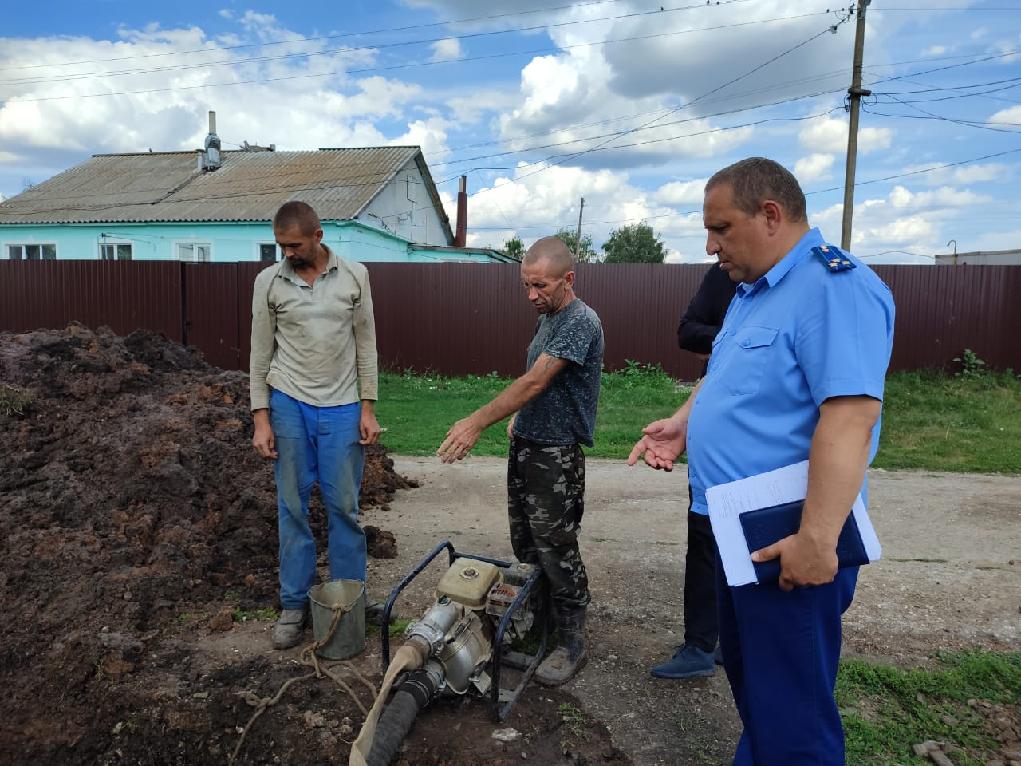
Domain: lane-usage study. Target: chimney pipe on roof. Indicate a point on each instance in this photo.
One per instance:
(211, 156)
(461, 227)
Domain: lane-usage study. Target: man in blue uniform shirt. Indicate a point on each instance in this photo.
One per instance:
(797, 372)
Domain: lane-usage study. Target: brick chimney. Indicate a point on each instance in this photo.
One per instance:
(461, 227)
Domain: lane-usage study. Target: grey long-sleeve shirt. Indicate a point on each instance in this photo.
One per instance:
(316, 343)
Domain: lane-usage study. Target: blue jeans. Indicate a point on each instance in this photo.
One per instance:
(316, 444)
(781, 651)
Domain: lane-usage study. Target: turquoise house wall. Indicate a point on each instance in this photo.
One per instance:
(230, 241)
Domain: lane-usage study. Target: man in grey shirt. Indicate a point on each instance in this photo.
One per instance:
(313, 388)
(555, 402)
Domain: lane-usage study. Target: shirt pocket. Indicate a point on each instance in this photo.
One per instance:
(753, 348)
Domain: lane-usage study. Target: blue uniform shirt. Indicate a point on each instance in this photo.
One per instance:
(802, 333)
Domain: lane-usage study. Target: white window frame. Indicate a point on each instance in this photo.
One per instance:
(258, 251)
(23, 245)
(193, 243)
(115, 242)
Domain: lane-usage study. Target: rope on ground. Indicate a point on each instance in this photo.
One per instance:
(263, 707)
(309, 658)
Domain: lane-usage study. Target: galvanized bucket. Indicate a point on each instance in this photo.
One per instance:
(338, 618)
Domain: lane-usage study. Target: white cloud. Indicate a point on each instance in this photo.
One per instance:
(225, 13)
(446, 49)
(681, 192)
(963, 174)
(537, 204)
(945, 196)
(935, 50)
(829, 134)
(430, 134)
(324, 105)
(1010, 116)
(814, 167)
(898, 232)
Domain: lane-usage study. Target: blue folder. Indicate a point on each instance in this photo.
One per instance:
(765, 526)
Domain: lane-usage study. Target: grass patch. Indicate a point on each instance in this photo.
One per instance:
(931, 421)
(952, 423)
(886, 710)
(419, 409)
(244, 615)
(14, 401)
(397, 628)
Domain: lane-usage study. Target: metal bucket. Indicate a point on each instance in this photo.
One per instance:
(338, 606)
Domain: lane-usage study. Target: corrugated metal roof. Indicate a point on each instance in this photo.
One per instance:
(250, 186)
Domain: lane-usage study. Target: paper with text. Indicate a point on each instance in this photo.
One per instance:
(784, 485)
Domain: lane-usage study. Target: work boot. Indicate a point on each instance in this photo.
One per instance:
(374, 613)
(289, 628)
(688, 662)
(561, 664)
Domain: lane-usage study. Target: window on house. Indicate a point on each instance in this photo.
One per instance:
(115, 251)
(268, 252)
(194, 251)
(32, 252)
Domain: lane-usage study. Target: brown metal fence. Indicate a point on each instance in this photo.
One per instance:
(458, 318)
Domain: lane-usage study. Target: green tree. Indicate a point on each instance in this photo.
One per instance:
(514, 247)
(635, 243)
(585, 253)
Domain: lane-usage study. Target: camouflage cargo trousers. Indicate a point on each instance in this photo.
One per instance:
(545, 503)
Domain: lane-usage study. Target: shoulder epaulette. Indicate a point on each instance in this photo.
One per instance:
(834, 258)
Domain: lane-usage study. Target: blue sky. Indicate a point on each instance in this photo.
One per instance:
(630, 104)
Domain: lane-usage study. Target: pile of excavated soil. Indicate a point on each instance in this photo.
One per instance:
(130, 498)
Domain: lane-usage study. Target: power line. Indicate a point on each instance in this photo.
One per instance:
(466, 59)
(689, 104)
(373, 47)
(301, 39)
(687, 213)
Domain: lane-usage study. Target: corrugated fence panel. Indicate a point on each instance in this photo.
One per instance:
(125, 296)
(451, 318)
(640, 306)
(474, 318)
(943, 310)
(211, 313)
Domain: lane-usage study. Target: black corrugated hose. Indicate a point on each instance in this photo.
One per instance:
(413, 694)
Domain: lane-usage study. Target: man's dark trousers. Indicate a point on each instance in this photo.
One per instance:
(781, 652)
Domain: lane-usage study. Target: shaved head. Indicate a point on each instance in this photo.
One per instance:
(558, 258)
(297, 213)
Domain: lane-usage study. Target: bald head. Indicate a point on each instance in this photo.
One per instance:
(554, 252)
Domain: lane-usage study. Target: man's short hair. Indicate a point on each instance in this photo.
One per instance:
(553, 250)
(297, 213)
(757, 179)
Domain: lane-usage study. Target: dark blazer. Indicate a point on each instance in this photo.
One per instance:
(704, 316)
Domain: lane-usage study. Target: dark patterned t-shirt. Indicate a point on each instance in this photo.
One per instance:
(565, 413)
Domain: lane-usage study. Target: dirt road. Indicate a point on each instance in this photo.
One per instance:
(950, 578)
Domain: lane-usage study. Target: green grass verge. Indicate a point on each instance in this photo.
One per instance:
(948, 423)
(886, 710)
(931, 421)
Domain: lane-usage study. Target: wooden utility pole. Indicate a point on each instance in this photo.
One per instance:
(577, 235)
(855, 92)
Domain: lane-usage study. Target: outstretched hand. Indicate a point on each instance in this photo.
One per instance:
(662, 443)
(461, 437)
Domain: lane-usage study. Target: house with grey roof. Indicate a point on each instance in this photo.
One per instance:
(375, 203)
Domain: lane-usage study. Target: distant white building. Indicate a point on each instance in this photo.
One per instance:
(981, 258)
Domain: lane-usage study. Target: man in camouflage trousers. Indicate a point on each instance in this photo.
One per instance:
(555, 406)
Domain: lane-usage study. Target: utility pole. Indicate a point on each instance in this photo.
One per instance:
(577, 234)
(855, 92)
